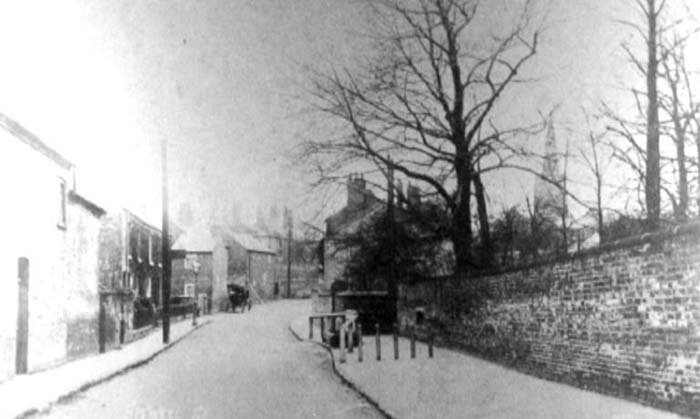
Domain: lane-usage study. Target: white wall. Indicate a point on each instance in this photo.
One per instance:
(28, 221)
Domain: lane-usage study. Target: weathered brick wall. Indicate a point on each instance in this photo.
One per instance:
(624, 319)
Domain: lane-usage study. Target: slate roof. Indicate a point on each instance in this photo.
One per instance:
(23, 134)
(195, 240)
(251, 243)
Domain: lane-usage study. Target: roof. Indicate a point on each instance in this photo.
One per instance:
(195, 240)
(348, 219)
(93, 208)
(251, 243)
(17, 130)
(132, 216)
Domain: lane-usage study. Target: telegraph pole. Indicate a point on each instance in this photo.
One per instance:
(166, 270)
(288, 214)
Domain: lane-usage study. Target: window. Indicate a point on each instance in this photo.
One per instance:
(150, 250)
(62, 200)
(139, 246)
(189, 290)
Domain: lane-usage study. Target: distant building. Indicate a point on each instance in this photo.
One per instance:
(50, 232)
(360, 207)
(549, 198)
(253, 263)
(200, 268)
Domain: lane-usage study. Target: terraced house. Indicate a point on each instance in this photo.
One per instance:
(130, 275)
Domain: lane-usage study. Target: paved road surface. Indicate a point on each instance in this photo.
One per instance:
(240, 366)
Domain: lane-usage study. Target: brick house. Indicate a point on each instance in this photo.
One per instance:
(360, 207)
(130, 274)
(49, 231)
(199, 268)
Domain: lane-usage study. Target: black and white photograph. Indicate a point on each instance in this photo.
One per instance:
(336, 209)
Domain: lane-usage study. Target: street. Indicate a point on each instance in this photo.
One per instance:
(239, 366)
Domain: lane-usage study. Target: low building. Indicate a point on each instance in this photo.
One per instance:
(199, 269)
(50, 242)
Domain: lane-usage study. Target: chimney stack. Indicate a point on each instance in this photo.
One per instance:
(356, 192)
(400, 197)
(413, 196)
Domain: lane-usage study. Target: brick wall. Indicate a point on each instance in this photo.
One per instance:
(623, 319)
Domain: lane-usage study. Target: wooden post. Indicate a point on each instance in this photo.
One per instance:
(341, 344)
(351, 339)
(194, 314)
(431, 339)
(165, 250)
(311, 328)
(359, 342)
(22, 343)
(396, 341)
(413, 342)
(378, 343)
(323, 329)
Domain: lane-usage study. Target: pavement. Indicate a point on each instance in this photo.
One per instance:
(23, 395)
(242, 365)
(453, 384)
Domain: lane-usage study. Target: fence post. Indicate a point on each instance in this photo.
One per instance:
(323, 329)
(413, 342)
(431, 339)
(359, 342)
(351, 337)
(378, 343)
(341, 335)
(311, 328)
(194, 314)
(396, 341)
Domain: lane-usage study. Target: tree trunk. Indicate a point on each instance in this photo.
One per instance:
(697, 144)
(682, 209)
(486, 250)
(461, 231)
(653, 179)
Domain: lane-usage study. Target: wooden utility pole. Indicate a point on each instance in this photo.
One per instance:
(288, 216)
(166, 271)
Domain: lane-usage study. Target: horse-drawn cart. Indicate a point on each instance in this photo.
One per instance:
(239, 296)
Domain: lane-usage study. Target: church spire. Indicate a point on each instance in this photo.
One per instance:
(547, 193)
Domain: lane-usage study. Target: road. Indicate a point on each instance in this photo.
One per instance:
(239, 366)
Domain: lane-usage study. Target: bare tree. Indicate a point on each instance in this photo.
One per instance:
(662, 60)
(648, 30)
(596, 166)
(429, 100)
(682, 109)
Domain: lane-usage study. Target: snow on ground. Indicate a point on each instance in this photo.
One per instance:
(456, 385)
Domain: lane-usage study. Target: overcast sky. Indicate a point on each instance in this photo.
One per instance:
(104, 82)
